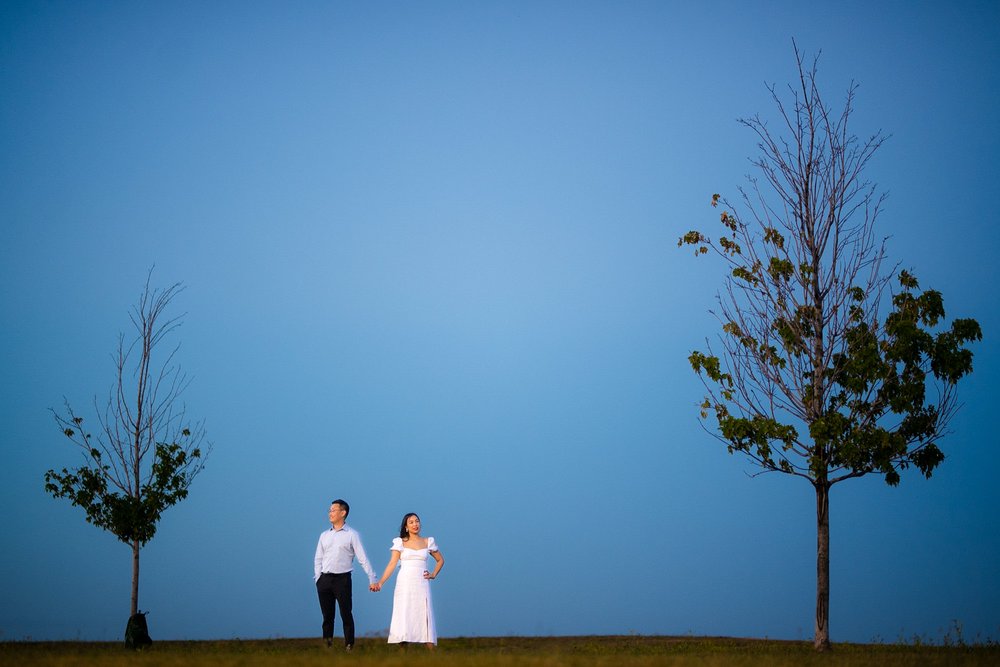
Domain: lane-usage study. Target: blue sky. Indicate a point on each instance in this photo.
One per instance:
(431, 265)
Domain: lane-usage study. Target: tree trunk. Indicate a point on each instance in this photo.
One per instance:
(821, 640)
(135, 578)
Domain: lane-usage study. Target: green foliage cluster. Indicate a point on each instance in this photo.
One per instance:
(131, 517)
(875, 413)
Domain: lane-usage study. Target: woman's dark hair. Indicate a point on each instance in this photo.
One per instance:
(403, 532)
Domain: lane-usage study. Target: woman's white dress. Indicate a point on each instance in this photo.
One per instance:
(412, 614)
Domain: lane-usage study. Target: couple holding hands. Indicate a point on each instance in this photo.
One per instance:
(412, 614)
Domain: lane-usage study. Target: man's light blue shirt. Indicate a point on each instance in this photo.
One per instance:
(336, 551)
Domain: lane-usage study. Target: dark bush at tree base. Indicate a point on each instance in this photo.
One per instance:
(137, 632)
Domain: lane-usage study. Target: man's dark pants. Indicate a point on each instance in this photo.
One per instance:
(335, 589)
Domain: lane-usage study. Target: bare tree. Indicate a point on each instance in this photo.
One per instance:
(145, 453)
(832, 366)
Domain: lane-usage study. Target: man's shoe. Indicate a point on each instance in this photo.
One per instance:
(349, 648)
(329, 643)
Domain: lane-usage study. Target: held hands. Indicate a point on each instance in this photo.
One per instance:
(375, 588)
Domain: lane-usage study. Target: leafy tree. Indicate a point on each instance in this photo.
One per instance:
(145, 453)
(830, 365)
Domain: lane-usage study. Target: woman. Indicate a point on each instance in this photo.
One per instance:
(412, 614)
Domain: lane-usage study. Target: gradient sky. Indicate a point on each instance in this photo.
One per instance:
(430, 259)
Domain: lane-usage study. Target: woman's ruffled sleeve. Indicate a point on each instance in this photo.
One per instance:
(431, 544)
(397, 544)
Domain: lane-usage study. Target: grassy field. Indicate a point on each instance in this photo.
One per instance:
(598, 651)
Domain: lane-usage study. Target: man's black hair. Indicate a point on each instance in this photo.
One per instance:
(343, 503)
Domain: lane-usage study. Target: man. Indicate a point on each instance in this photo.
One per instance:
(335, 554)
